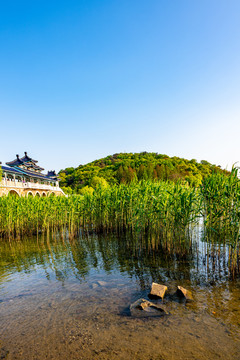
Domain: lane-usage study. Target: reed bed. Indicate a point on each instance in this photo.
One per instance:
(164, 211)
(161, 208)
(221, 213)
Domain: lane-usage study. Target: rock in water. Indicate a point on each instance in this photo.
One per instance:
(94, 286)
(147, 306)
(140, 304)
(102, 283)
(157, 291)
(184, 293)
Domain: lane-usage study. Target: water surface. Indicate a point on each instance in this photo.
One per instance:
(62, 299)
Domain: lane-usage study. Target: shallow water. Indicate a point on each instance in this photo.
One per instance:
(62, 299)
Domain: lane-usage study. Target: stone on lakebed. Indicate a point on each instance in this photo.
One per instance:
(184, 293)
(142, 304)
(102, 283)
(157, 291)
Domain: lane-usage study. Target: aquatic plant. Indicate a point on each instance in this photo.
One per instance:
(221, 212)
(162, 207)
(161, 212)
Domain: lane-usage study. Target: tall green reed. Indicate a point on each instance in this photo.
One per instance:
(165, 209)
(221, 212)
(164, 212)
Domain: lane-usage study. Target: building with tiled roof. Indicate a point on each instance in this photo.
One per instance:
(24, 177)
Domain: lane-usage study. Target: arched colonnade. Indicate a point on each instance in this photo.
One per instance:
(29, 193)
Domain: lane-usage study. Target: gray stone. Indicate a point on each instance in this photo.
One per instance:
(147, 306)
(157, 290)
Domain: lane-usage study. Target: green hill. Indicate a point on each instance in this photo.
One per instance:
(128, 167)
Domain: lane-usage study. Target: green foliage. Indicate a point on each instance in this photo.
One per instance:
(97, 181)
(86, 190)
(163, 210)
(125, 168)
(160, 208)
(221, 212)
(221, 197)
(67, 190)
(0, 174)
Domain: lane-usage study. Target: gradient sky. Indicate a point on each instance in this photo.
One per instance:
(80, 80)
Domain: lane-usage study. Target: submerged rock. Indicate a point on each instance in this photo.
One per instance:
(184, 293)
(146, 306)
(157, 291)
(94, 286)
(102, 283)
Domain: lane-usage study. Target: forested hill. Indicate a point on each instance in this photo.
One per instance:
(128, 167)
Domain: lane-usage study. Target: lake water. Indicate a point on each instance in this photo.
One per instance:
(62, 299)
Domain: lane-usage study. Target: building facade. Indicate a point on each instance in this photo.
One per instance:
(23, 177)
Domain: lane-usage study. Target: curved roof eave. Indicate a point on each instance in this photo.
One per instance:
(27, 173)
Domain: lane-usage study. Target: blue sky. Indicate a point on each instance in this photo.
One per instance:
(80, 80)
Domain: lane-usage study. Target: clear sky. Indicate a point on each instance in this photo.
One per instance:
(80, 80)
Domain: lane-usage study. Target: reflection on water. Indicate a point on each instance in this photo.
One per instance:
(142, 259)
(70, 299)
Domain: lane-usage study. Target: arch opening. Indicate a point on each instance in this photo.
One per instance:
(13, 193)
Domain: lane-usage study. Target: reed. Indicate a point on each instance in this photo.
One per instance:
(221, 212)
(163, 212)
(221, 205)
(164, 208)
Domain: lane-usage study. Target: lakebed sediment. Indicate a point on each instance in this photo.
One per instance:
(71, 301)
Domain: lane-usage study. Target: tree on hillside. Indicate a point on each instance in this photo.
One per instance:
(128, 167)
(97, 181)
(149, 171)
(142, 173)
(120, 174)
(130, 175)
